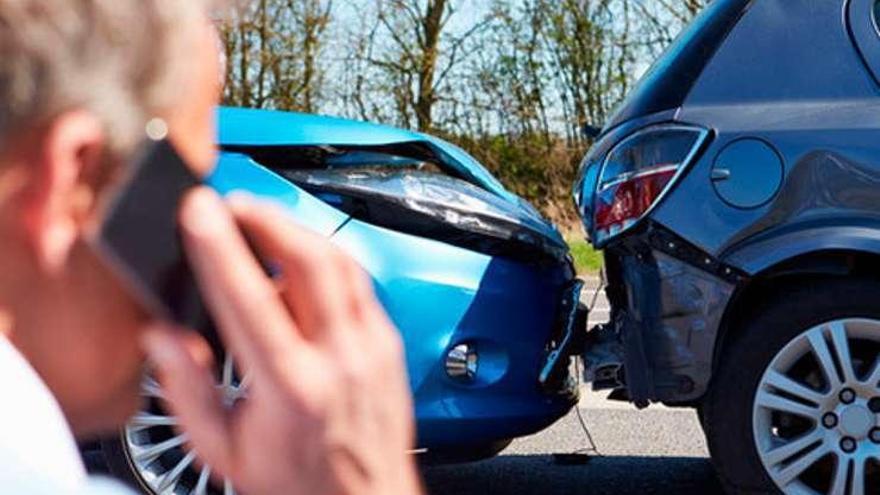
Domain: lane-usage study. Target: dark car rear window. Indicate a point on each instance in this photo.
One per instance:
(670, 79)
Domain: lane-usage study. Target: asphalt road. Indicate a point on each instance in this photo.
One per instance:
(640, 452)
(655, 451)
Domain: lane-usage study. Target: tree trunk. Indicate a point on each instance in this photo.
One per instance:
(432, 25)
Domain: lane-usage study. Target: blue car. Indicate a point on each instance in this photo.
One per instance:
(481, 286)
(736, 194)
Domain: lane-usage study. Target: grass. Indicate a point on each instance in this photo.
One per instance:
(587, 260)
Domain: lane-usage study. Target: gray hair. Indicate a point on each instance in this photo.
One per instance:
(123, 60)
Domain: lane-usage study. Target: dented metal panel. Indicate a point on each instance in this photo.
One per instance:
(667, 313)
(692, 306)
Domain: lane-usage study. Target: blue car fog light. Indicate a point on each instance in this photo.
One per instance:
(462, 363)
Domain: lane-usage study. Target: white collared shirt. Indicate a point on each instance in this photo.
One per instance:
(38, 454)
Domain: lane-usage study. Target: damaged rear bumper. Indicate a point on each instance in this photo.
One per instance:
(668, 301)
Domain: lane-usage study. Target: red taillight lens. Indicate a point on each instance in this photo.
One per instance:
(621, 204)
(637, 173)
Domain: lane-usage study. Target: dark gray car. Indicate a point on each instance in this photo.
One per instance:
(736, 194)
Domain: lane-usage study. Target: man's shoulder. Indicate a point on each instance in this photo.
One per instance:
(34, 435)
(25, 480)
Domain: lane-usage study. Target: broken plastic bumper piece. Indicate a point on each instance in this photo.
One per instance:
(568, 342)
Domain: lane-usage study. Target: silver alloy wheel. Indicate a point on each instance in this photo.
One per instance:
(815, 414)
(158, 453)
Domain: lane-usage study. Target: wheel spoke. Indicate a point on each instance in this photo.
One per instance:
(841, 476)
(780, 454)
(228, 371)
(146, 420)
(227, 488)
(204, 478)
(840, 342)
(797, 467)
(171, 478)
(778, 403)
(151, 388)
(823, 356)
(858, 477)
(874, 375)
(151, 453)
(785, 384)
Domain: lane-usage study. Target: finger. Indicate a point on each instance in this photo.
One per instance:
(315, 280)
(359, 288)
(250, 314)
(376, 337)
(183, 365)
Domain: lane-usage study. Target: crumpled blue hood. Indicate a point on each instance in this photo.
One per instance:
(248, 127)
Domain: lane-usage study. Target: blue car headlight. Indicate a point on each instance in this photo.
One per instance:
(435, 206)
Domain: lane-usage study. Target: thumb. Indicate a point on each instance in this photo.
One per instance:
(183, 363)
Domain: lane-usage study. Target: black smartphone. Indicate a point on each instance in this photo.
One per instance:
(139, 238)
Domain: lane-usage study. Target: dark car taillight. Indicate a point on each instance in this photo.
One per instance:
(638, 172)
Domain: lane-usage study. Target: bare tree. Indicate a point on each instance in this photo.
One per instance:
(273, 50)
(511, 76)
(413, 56)
(662, 20)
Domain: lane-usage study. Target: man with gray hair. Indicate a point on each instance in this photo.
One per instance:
(328, 410)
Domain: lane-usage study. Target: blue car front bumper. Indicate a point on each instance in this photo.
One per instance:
(441, 296)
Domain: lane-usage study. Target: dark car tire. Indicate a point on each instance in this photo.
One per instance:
(464, 454)
(117, 465)
(727, 409)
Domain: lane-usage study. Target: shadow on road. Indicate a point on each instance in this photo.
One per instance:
(538, 475)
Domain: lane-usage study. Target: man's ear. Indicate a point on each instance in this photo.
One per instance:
(59, 198)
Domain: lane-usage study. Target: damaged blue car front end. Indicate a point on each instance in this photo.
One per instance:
(478, 282)
(480, 285)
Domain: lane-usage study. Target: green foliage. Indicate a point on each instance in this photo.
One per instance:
(587, 260)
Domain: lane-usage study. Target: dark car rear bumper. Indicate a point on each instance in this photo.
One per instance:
(667, 301)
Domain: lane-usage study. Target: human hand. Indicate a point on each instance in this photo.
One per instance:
(328, 408)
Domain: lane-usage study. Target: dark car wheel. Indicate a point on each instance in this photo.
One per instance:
(152, 455)
(794, 405)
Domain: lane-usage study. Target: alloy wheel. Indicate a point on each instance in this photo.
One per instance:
(816, 413)
(158, 453)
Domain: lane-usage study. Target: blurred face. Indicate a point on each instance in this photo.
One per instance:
(60, 304)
